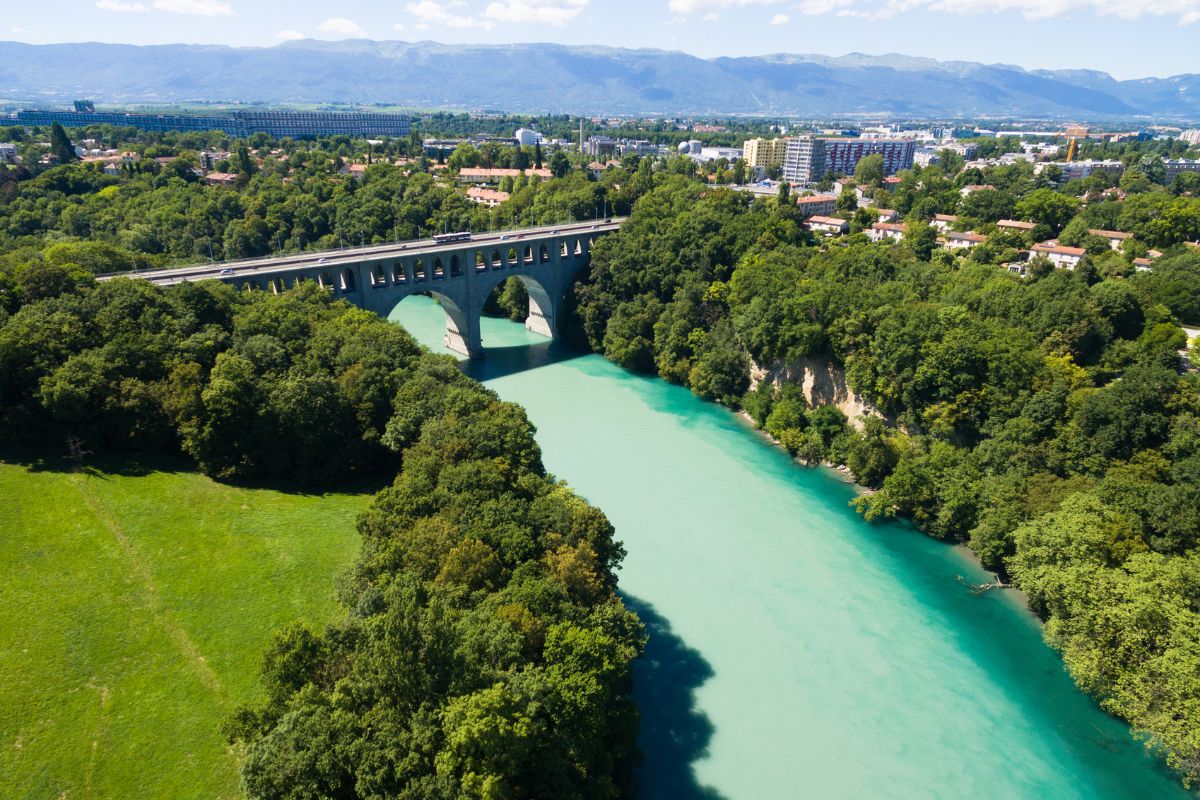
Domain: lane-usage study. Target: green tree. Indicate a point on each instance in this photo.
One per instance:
(869, 170)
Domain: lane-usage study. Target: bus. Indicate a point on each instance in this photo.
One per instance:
(446, 238)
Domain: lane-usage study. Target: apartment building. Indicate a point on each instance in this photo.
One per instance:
(807, 159)
(764, 153)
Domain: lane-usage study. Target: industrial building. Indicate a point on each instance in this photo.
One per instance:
(296, 124)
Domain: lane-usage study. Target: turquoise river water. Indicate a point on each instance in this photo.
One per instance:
(796, 651)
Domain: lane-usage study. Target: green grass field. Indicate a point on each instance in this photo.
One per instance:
(135, 605)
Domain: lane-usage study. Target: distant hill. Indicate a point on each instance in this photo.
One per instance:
(549, 77)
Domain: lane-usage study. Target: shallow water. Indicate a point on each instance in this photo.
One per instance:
(797, 651)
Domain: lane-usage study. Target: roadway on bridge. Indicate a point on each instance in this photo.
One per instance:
(349, 256)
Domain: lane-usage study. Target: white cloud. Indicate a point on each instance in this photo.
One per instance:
(342, 27)
(711, 16)
(780, 19)
(432, 12)
(816, 7)
(1187, 11)
(289, 36)
(203, 8)
(17, 29)
(120, 7)
(545, 12)
(399, 26)
(691, 6)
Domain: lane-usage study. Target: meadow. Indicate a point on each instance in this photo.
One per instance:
(136, 600)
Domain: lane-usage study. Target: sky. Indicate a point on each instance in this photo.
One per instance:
(1127, 38)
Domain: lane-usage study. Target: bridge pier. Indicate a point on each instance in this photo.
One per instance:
(464, 340)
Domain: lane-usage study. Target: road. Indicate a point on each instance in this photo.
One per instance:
(349, 256)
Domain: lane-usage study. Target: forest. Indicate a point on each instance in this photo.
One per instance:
(484, 650)
(1048, 421)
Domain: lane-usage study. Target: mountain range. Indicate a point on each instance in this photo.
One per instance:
(579, 79)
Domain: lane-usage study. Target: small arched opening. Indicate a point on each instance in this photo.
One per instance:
(378, 276)
(480, 261)
(418, 270)
(455, 265)
(578, 248)
(497, 260)
(528, 257)
(562, 250)
(399, 276)
(513, 259)
(347, 282)
(544, 254)
(439, 271)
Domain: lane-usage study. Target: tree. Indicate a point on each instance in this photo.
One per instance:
(869, 170)
(537, 155)
(1047, 207)
(60, 145)
(560, 165)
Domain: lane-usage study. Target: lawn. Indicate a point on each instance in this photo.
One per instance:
(135, 604)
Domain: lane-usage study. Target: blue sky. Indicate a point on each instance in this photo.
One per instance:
(1128, 38)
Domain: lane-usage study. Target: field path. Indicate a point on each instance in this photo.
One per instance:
(158, 608)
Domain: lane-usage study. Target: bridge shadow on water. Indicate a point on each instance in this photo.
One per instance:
(675, 732)
(500, 362)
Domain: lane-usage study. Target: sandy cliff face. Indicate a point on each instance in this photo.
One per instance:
(823, 382)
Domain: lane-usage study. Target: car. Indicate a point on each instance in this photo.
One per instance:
(321, 260)
(225, 271)
(502, 238)
(553, 232)
(608, 219)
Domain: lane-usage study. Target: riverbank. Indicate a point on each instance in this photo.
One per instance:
(841, 471)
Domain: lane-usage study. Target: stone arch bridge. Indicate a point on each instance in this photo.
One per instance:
(460, 274)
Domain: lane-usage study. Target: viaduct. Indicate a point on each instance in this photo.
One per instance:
(460, 274)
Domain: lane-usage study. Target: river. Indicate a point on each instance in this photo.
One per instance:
(796, 651)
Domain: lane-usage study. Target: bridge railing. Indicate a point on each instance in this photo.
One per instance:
(365, 249)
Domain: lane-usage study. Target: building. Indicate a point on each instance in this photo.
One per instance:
(496, 174)
(527, 138)
(8, 153)
(1177, 166)
(961, 240)
(764, 153)
(1015, 225)
(1064, 257)
(829, 226)
(1078, 170)
(808, 160)
(1076, 131)
(943, 221)
(221, 178)
(1191, 136)
(1116, 239)
(886, 230)
(887, 214)
(976, 187)
(487, 197)
(816, 205)
(601, 147)
(296, 124)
